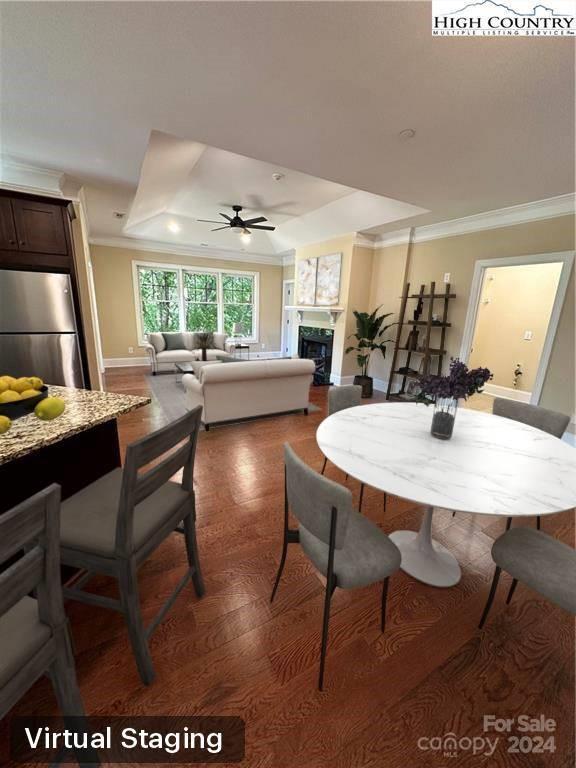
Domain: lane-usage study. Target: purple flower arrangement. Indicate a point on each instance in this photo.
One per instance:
(460, 383)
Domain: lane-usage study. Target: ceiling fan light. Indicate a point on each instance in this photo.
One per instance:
(238, 230)
(246, 236)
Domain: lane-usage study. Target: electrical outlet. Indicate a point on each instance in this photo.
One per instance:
(528, 335)
(446, 277)
(130, 350)
(263, 345)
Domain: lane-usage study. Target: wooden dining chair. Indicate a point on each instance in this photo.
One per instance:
(113, 525)
(34, 638)
(349, 550)
(541, 562)
(340, 398)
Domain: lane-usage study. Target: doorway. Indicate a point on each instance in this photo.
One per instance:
(288, 319)
(514, 309)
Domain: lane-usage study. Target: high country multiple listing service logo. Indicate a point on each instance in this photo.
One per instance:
(511, 18)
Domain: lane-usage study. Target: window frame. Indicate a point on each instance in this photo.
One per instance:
(180, 269)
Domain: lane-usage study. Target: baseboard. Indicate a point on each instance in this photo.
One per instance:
(341, 380)
(125, 362)
(508, 392)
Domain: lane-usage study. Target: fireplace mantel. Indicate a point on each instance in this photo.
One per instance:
(332, 312)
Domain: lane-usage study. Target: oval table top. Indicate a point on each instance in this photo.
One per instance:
(491, 465)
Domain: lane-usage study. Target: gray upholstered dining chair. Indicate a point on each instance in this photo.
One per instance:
(544, 564)
(113, 525)
(552, 422)
(34, 637)
(340, 398)
(342, 544)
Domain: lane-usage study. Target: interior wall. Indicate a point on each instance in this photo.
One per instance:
(457, 255)
(514, 300)
(358, 299)
(345, 246)
(116, 306)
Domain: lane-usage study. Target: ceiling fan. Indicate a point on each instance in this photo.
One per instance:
(237, 224)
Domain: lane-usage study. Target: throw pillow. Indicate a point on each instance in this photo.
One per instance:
(157, 341)
(174, 341)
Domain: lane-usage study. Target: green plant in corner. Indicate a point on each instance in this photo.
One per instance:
(369, 330)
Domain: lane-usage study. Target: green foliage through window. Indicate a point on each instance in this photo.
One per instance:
(169, 300)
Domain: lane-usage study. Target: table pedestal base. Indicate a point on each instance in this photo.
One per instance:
(425, 559)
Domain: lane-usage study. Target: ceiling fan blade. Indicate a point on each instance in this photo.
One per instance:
(219, 228)
(257, 220)
(209, 221)
(226, 216)
(259, 226)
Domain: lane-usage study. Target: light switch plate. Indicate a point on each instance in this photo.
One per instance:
(446, 277)
(528, 335)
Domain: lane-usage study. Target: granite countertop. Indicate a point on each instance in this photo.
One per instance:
(84, 410)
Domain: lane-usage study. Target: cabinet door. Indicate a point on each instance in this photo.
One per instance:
(7, 229)
(39, 227)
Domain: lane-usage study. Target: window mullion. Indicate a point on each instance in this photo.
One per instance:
(220, 304)
(181, 301)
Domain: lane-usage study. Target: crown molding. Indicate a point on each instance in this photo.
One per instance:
(550, 208)
(363, 241)
(200, 252)
(21, 177)
(288, 258)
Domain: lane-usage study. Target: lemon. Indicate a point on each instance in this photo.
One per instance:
(4, 385)
(5, 424)
(36, 382)
(21, 384)
(8, 381)
(29, 393)
(49, 408)
(9, 396)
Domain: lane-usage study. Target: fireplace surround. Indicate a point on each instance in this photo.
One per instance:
(316, 344)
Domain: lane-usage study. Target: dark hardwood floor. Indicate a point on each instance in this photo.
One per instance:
(430, 674)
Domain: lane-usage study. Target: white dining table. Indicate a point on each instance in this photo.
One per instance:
(490, 466)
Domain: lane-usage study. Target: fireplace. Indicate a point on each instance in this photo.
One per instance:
(316, 344)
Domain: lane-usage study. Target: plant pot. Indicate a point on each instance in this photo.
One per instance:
(445, 409)
(367, 384)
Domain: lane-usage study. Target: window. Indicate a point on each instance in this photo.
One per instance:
(159, 300)
(201, 301)
(238, 303)
(179, 298)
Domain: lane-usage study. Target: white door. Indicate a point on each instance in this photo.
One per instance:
(288, 319)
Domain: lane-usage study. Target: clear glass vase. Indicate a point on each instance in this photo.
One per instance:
(444, 417)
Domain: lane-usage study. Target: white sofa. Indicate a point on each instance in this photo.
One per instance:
(162, 358)
(233, 391)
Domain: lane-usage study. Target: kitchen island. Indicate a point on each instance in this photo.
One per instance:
(72, 450)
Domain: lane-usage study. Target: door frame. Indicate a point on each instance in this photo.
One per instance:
(286, 313)
(567, 259)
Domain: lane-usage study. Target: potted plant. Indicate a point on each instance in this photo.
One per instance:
(445, 391)
(369, 329)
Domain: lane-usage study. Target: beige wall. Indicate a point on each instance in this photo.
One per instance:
(115, 296)
(430, 260)
(514, 300)
(345, 246)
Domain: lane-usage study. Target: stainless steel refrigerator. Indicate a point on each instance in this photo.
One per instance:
(38, 332)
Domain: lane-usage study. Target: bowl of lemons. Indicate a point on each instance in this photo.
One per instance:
(24, 395)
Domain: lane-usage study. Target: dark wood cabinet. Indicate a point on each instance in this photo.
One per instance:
(7, 227)
(39, 226)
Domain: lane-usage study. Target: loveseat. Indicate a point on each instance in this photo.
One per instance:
(229, 392)
(166, 349)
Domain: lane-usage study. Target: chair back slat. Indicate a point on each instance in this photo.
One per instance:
(138, 486)
(149, 482)
(21, 578)
(311, 498)
(552, 422)
(33, 526)
(346, 396)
